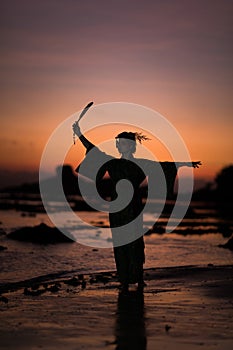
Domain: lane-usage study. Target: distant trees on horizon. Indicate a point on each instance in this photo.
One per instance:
(221, 189)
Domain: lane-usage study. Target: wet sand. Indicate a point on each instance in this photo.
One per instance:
(188, 307)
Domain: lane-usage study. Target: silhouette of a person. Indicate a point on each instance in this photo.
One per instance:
(129, 257)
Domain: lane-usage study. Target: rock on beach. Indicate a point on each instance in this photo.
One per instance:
(41, 234)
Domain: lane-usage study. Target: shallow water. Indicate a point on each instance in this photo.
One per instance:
(26, 260)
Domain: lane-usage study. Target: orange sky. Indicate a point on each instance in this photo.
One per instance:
(172, 56)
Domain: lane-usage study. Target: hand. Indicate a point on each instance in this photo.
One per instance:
(196, 164)
(76, 129)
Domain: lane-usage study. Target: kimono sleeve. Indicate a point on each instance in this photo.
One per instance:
(154, 170)
(170, 172)
(93, 164)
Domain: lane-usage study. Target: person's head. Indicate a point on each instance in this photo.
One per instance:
(126, 142)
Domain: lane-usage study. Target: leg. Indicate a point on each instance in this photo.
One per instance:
(121, 260)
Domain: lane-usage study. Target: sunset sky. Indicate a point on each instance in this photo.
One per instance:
(174, 56)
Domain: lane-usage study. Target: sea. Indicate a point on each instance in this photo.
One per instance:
(195, 242)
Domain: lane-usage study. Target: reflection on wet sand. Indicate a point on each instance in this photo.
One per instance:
(130, 328)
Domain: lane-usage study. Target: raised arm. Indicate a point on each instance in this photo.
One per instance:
(86, 143)
(94, 164)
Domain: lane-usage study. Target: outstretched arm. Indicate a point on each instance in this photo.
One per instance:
(189, 164)
(86, 143)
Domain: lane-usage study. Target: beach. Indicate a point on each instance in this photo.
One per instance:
(66, 295)
(187, 307)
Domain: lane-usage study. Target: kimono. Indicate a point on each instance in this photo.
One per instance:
(126, 224)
